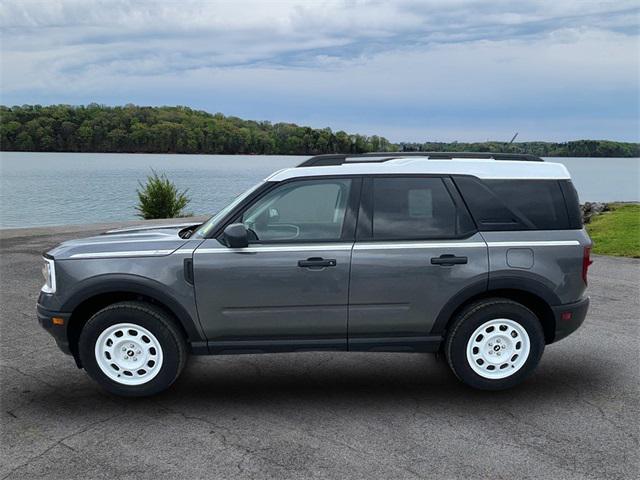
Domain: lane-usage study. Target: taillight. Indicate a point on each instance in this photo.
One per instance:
(586, 261)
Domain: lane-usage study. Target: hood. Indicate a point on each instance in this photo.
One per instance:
(143, 241)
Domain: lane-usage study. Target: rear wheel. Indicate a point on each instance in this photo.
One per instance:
(132, 349)
(494, 344)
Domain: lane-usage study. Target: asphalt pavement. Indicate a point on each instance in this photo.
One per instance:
(321, 415)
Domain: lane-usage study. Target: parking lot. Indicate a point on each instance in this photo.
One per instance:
(322, 415)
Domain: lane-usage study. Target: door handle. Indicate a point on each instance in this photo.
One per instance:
(317, 262)
(448, 260)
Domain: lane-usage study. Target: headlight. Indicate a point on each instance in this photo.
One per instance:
(49, 274)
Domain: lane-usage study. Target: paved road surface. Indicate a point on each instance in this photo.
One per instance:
(322, 415)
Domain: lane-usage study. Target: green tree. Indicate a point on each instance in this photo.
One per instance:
(160, 198)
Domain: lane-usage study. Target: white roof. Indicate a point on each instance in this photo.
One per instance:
(490, 169)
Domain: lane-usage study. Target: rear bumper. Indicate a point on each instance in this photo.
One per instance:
(569, 317)
(58, 332)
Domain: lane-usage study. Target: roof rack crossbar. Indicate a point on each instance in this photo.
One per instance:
(377, 157)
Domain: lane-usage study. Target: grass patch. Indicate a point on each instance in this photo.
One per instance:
(617, 232)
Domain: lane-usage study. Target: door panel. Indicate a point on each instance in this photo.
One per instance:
(396, 291)
(261, 293)
(289, 289)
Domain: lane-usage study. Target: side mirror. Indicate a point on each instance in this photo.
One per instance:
(236, 235)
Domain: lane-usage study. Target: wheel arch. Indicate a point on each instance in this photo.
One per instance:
(536, 296)
(99, 292)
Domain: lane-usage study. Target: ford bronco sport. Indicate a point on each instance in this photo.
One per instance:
(482, 257)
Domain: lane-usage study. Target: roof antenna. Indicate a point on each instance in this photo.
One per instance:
(514, 137)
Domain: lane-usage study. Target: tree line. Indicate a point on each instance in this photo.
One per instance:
(136, 129)
(577, 148)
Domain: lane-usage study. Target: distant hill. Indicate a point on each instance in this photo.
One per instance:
(135, 129)
(576, 148)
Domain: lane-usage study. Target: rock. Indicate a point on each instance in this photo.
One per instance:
(591, 209)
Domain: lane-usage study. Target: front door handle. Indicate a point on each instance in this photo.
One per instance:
(448, 260)
(317, 262)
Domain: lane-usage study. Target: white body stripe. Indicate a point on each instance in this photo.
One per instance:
(389, 246)
(334, 247)
(397, 246)
(100, 241)
(273, 248)
(536, 243)
(140, 253)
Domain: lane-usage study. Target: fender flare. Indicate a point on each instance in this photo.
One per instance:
(525, 282)
(126, 283)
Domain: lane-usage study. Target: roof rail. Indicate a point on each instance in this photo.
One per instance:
(376, 157)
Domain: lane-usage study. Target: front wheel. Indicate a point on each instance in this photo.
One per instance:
(132, 349)
(494, 344)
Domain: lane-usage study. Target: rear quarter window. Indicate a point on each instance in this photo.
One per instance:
(515, 204)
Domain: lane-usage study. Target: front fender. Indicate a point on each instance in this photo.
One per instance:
(182, 306)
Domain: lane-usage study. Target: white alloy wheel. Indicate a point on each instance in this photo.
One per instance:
(498, 348)
(128, 354)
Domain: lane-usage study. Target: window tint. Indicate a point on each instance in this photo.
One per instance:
(300, 211)
(515, 204)
(415, 208)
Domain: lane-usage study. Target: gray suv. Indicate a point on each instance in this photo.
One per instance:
(482, 257)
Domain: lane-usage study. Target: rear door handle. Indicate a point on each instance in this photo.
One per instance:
(448, 260)
(317, 262)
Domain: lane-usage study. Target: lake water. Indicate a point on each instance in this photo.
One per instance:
(38, 189)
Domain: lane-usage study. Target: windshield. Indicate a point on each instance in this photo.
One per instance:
(210, 224)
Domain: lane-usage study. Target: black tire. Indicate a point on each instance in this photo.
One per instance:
(156, 321)
(470, 318)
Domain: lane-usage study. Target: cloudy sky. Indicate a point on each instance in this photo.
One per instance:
(407, 69)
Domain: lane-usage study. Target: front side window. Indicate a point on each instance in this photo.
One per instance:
(306, 210)
(415, 208)
(211, 224)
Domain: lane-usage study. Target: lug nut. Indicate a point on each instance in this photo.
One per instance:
(124, 349)
(134, 359)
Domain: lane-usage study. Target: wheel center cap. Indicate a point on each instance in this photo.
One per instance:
(496, 348)
(130, 353)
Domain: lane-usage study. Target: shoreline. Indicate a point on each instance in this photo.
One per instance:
(39, 231)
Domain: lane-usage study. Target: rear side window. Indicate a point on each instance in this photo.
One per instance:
(515, 204)
(415, 208)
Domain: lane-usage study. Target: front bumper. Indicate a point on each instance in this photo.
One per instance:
(58, 332)
(569, 317)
